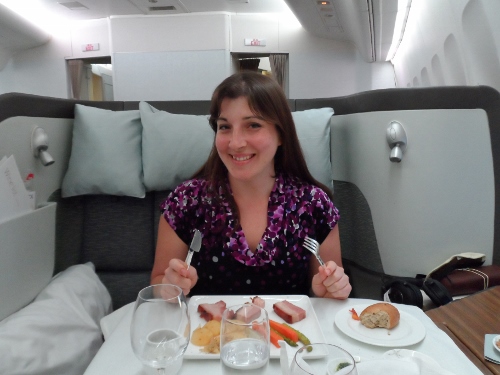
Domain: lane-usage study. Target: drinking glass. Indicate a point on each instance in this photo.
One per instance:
(160, 328)
(244, 338)
(323, 359)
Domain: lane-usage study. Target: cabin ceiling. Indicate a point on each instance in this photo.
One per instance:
(91, 9)
(369, 24)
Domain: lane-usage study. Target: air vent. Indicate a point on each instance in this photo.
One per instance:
(159, 6)
(169, 8)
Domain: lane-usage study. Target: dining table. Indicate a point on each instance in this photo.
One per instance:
(467, 320)
(117, 357)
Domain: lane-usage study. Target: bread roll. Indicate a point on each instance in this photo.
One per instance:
(383, 315)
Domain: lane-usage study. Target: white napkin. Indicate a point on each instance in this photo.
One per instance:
(401, 361)
(393, 362)
(286, 357)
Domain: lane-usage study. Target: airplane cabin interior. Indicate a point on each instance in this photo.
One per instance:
(104, 110)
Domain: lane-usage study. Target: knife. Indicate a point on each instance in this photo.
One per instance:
(195, 246)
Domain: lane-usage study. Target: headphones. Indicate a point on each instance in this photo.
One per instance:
(408, 291)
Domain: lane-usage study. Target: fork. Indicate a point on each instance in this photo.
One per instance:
(313, 246)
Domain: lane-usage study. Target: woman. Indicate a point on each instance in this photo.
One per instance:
(254, 202)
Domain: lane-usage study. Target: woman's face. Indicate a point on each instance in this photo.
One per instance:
(246, 143)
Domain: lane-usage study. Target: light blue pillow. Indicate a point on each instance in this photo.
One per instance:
(313, 130)
(174, 146)
(105, 154)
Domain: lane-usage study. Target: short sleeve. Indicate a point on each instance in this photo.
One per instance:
(182, 208)
(325, 214)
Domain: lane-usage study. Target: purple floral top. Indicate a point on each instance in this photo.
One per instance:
(225, 264)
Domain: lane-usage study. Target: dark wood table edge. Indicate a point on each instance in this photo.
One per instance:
(469, 354)
(439, 318)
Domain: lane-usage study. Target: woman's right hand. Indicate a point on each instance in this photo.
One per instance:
(178, 274)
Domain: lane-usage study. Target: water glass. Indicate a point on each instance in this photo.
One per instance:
(160, 328)
(244, 339)
(322, 359)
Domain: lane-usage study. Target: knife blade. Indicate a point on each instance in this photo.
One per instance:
(195, 246)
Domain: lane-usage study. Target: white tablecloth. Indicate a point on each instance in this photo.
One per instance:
(116, 355)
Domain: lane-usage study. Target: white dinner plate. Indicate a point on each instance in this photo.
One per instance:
(308, 326)
(409, 331)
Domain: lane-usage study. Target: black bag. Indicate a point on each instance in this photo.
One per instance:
(407, 290)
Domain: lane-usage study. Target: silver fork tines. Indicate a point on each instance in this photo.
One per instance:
(313, 246)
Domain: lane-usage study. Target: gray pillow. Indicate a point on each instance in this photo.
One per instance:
(313, 130)
(174, 146)
(105, 154)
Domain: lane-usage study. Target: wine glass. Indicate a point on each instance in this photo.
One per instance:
(323, 359)
(160, 328)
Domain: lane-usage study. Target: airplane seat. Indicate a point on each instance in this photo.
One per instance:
(360, 254)
(439, 200)
(396, 218)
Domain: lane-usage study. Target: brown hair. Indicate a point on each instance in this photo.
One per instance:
(266, 99)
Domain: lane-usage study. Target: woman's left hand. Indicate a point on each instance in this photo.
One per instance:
(331, 282)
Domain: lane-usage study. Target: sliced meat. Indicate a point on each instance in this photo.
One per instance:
(212, 311)
(247, 313)
(259, 301)
(289, 312)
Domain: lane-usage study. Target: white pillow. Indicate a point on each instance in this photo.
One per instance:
(59, 332)
(110, 321)
(174, 146)
(105, 154)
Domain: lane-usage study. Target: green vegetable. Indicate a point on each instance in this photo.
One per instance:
(302, 338)
(342, 365)
(287, 340)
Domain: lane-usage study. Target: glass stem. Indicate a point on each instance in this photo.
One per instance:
(161, 371)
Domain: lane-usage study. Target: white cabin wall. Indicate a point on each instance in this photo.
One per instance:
(39, 70)
(450, 42)
(193, 55)
(318, 67)
(176, 57)
(90, 32)
(42, 70)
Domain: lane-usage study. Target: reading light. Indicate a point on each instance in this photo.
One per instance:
(397, 140)
(39, 146)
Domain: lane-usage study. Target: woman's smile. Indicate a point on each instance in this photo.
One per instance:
(242, 158)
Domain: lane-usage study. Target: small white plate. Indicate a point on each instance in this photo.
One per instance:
(308, 326)
(496, 342)
(409, 331)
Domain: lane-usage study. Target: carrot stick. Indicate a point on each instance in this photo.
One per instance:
(284, 330)
(275, 337)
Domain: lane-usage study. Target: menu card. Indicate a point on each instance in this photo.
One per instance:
(14, 199)
(490, 353)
